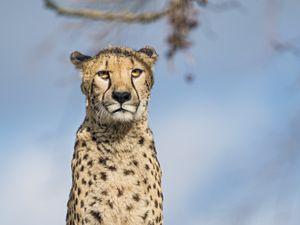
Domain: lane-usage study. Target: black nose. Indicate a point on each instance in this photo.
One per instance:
(121, 97)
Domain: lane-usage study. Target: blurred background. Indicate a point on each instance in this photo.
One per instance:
(224, 110)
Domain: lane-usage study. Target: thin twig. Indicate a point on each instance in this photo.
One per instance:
(126, 17)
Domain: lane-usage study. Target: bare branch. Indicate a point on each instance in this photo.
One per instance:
(126, 17)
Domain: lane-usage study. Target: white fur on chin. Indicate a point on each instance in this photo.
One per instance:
(122, 116)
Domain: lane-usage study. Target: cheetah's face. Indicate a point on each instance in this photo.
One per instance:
(117, 82)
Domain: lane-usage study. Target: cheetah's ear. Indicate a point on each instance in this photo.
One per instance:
(148, 54)
(77, 58)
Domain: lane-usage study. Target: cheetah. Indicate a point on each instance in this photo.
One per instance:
(116, 177)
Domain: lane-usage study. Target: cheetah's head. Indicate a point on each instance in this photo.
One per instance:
(117, 82)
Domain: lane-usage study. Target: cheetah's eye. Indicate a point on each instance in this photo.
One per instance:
(136, 73)
(104, 74)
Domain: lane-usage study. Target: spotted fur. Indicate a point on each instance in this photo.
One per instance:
(116, 177)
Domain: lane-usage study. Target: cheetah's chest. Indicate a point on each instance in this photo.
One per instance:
(123, 188)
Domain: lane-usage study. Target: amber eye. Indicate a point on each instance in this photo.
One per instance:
(104, 74)
(136, 73)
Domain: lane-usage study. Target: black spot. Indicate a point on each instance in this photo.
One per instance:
(112, 168)
(83, 181)
(76, 144)
(136, 197)
(110, 204)
(147, 167)
(141, 140)
(92, 203)
(90, 183)
(135, 162)
(81, 168)
(160, 206)
(103, 160)
(145, 180)
(83, 144)
(85, 156)
(78, 191)
(97, 199)
(145, 216)
(128, 172)
(120, 192)
(103, 176)
(156, 204)
(81, 204)
(129, 207)
(96, 215)
(90, 163)
(157, 219)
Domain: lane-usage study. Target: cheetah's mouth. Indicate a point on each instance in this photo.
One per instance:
(125, 112)
(120, 110)
(121, 113)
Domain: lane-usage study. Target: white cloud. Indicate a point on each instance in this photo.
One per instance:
(34, 191)
(268, 214)
(194, 145)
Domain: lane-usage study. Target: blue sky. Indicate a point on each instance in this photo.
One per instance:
(227, 142)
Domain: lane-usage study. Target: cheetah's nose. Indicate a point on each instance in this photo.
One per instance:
(121, 97)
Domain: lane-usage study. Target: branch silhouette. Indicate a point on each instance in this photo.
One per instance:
(123, 16)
